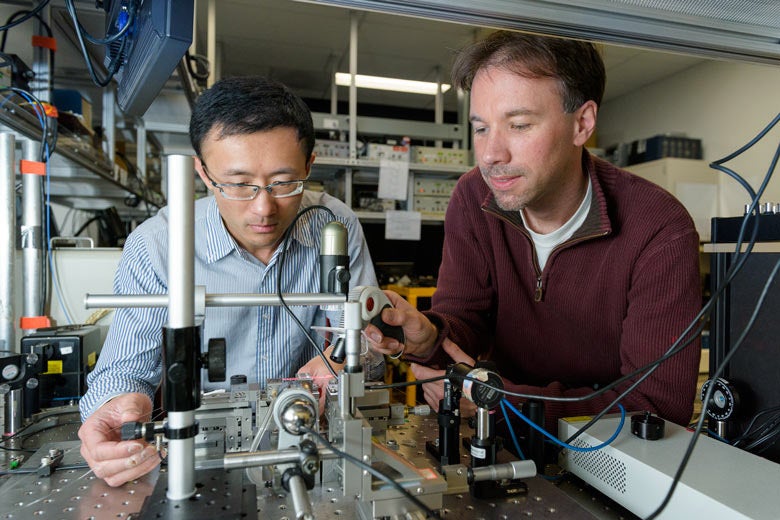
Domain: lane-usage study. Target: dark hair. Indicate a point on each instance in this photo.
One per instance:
(577, 65)
(249, 104)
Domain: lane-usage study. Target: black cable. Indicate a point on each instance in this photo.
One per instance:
(108, 38)
(285, 242)
(16, 15)
(85, 225)
(198, 60)
(114, 65)
(378, 474)
(747, 431)
(29, 15)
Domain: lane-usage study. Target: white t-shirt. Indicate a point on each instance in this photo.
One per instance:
(544, 244)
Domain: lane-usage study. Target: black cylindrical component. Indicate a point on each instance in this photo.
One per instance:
(449, 425)
(533, 409)
(238, 379)
(181, 376)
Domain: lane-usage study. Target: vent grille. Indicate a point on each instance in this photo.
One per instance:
(765, 13)
(601, 465)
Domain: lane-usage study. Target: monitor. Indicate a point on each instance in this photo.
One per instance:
(160, 34)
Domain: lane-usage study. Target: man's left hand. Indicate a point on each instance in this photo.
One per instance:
(434, 392)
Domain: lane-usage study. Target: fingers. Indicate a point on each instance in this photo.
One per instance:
(112, 459)
(454, 351)
(118, 471)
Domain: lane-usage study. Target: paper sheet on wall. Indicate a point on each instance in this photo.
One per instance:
(403, 225)
(393, 179)
(701, 201)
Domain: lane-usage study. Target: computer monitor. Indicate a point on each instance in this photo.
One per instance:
(160, 34)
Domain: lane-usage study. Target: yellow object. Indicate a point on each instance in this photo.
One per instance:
(54, 367)
(410, 294)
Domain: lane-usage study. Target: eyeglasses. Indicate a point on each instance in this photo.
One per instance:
(241, 191)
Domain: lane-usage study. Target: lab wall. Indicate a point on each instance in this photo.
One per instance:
(724, 103)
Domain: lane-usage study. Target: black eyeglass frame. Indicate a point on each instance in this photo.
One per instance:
(269, 189)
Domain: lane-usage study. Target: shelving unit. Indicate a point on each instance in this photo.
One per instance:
(81, 176)
(343, 172)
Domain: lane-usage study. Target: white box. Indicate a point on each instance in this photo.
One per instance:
(387, 151)
(435, 155)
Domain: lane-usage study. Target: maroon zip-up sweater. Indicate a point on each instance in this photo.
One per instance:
(612, 298)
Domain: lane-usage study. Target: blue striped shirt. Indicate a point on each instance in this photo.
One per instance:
(262, 342)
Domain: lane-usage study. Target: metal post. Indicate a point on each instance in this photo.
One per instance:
(211, 42)
(181, 308)
(41, 84)
(7, 243)
(353, 58)
(438, 111)
(32, 234)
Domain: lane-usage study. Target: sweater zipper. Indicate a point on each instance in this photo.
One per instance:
(539, 291)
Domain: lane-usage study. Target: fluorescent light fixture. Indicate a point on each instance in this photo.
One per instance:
(396, 85)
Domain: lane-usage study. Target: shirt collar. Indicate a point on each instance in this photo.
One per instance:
(220, 243)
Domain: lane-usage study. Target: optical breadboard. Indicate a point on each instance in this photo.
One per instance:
(720, 481)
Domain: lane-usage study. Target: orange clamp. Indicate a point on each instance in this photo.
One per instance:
(34, 322)
(32, 167)
(46, 42)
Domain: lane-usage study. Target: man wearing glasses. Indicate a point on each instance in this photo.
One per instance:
(253, 141)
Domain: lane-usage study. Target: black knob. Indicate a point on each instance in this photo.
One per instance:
(132, 430)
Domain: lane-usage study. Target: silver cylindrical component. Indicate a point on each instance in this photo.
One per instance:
(99, 301)
(510, 470)
(181, 458)
(270, 458)
(7, 243)
(13, 411)
(181, 242)
(300, 498)
(482, 423)
(32, 233)
(181, 310)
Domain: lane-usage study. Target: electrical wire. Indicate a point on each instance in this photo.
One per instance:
(115, 63)
(30, 14)
(108, 38)
(285, 242)
(566, 445)
(378, 474)
(15, 15)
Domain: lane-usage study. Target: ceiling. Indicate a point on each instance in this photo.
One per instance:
(302, 44)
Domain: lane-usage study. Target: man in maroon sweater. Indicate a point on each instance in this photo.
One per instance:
(564, 270)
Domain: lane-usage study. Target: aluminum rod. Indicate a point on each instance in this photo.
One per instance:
(111, 301)
(32, 233)
(181, 310)
(181, 242)
(7, 243)
(271, 458)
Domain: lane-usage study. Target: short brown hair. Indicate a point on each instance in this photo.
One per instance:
(577, 65)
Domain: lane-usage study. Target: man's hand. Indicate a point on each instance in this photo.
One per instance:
(316, 369)
(112, 459)
(419, 332)
(434, 392)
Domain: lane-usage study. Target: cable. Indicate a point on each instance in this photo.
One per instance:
(29, 15)
(115, 64)
(511, 430)
(710, 389)
(131, 14)
(16, 15)
(378, 474)
(285, 242)
(568, 446)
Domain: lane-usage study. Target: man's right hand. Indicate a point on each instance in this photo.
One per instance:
(419, 332)
(112, 459)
